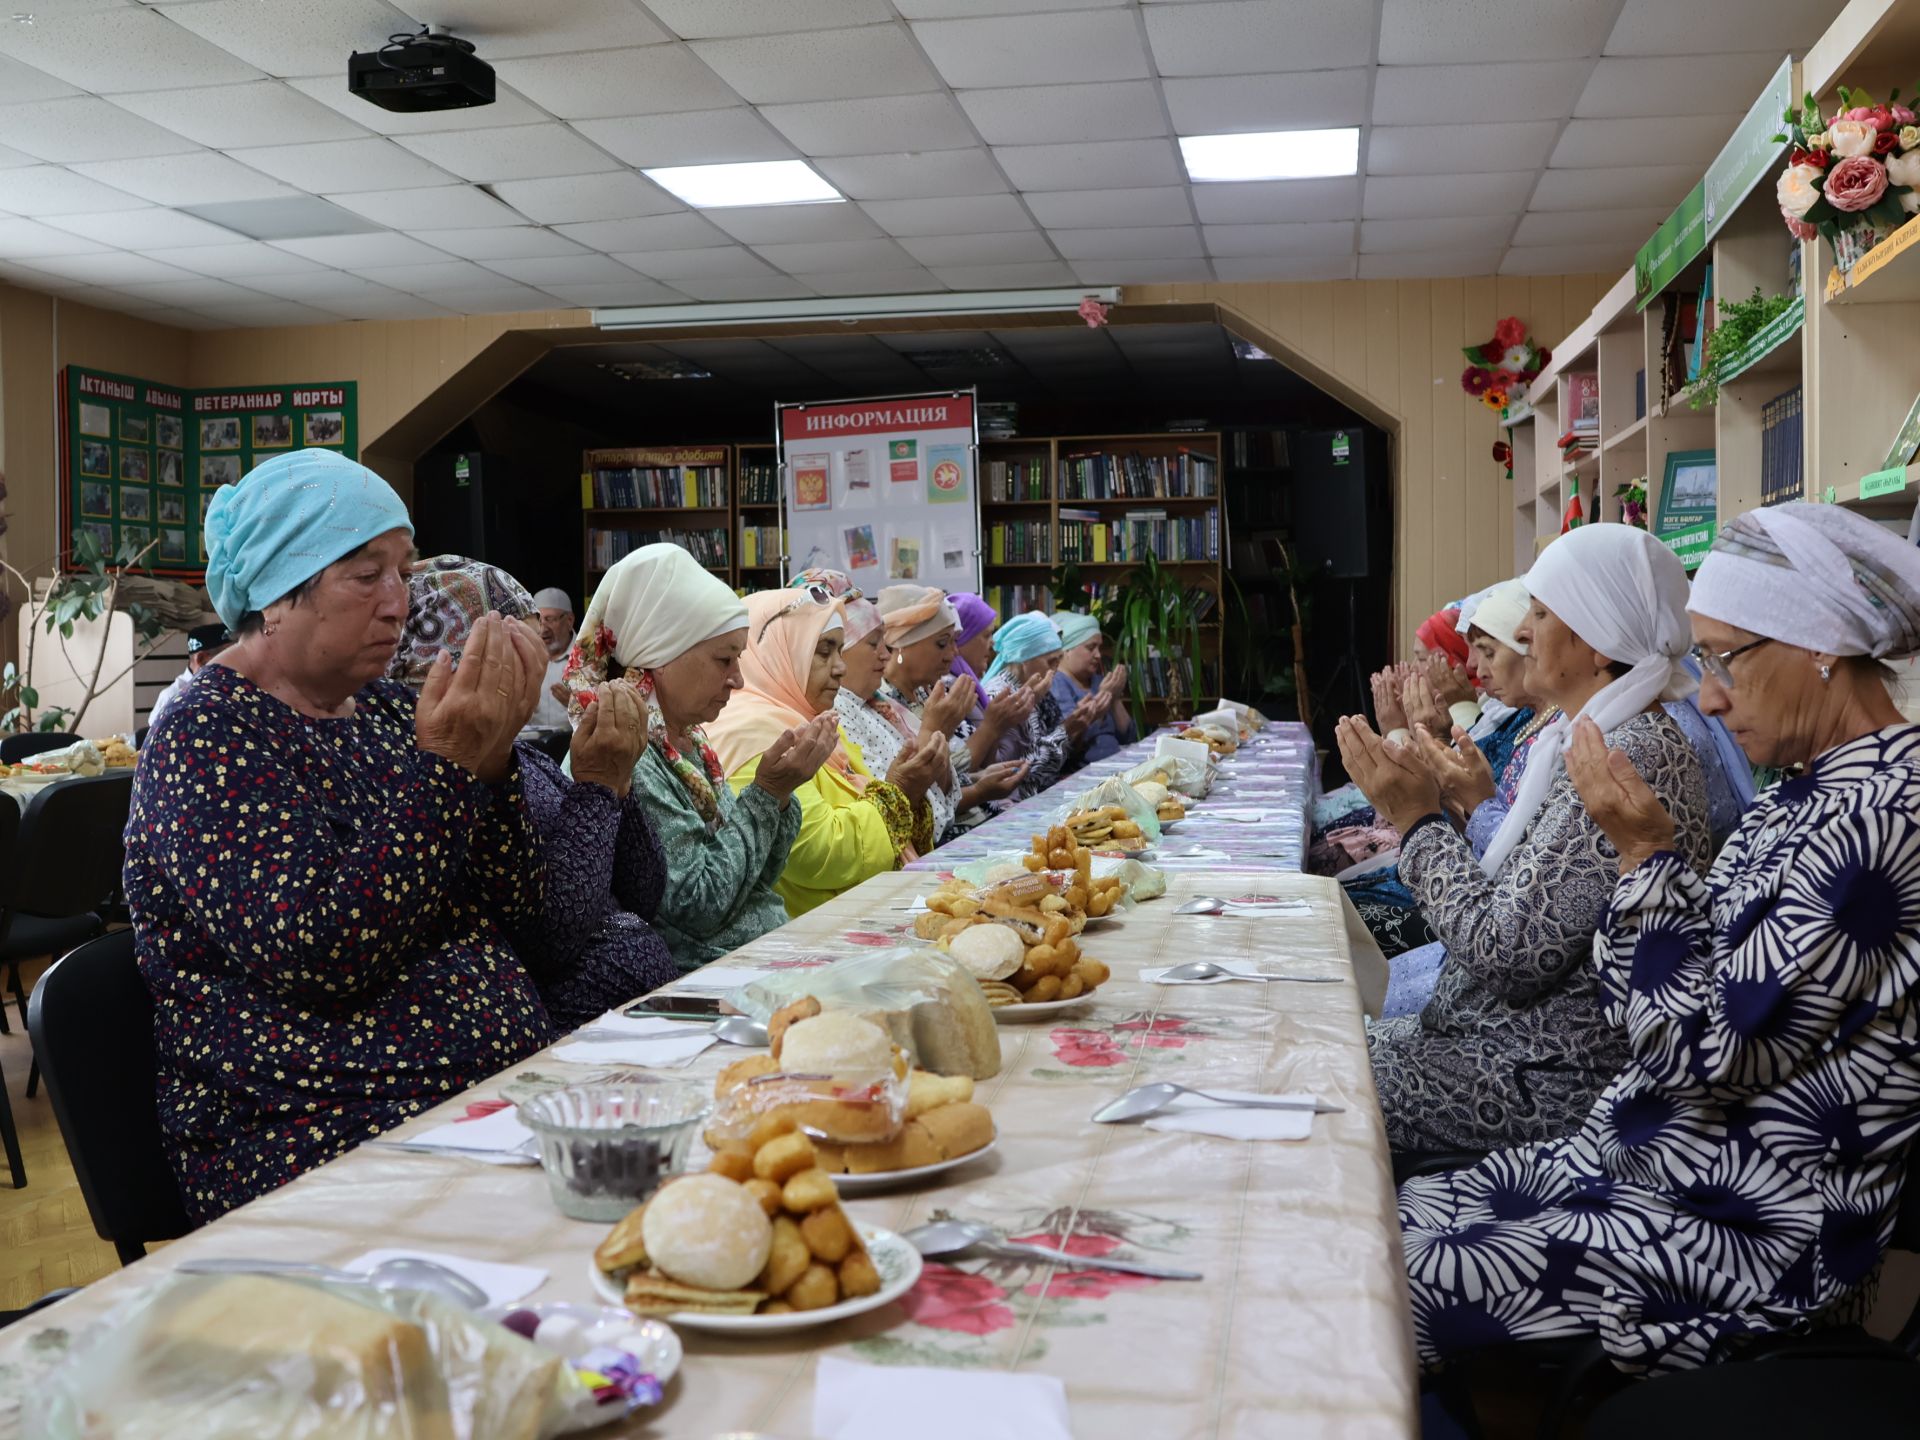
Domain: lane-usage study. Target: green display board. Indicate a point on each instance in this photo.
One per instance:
(1689, 498)
(141, 461)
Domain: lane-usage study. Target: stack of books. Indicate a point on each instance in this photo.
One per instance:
(1138, 477)
(604, 547)
(760, 483)
(670, 487)
(1017, 479)
(1020, 542)
(1257, 449)
(1582, 435)
(1782, 446)
(999, 419)
(760, 545)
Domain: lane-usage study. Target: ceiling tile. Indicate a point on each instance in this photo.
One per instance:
(195, 291)
(1012, 277)
(1304, 238)
(1676, 85)
(1230, 38)
(1042, 114)
(345, 165)
(520, 152)
(201, 178)
(49, 190)
(562, 270)
(235, 262)
(906, 177)
(1567, 259)
(692, 137)
(1430, 149)
(716, 262)
(1411, 197)
(1141, 272)
(652, 232)
(717, 19)
(1009, 248)
(946, 9)
(1429, 264)
(1653, 186)
(767, 287)
(437, 207)
(837, 255)
(609, 294)
(21, 83)
(113, 267)
(873, 282)
(1610, 142)
(849, 127)
(1258, 201)
(389, 307)
(233, 115)
(1660, 27)
(1444, 94)
(1087, 209)
(820, 65)
(507, 29)
(1416, 32)
(147, 230)
(601, 83)
(779, 224)
(1129, 243)
(959, 215)
(292, 37)
(513, 242)
(575, 199)
(25, 239)
(353, 251)
(1233, 104)
(1465, 232)
(1590, 227)
(124, 48)
(429, 279)
(262, 311)
(84, 128)
(495, 299)
(508, 108)
(11, 158)
(1109, 164)
(1089, 45)
(1285, 267)
(318, 287)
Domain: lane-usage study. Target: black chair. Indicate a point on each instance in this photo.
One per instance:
(66, 864)
(1828, 1397)
(16, 748)
(92, 1025)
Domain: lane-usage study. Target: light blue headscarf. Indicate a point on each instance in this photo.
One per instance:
(1075, 628)
(286, 521)
(1024, 637)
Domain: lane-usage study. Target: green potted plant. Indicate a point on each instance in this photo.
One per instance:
(1150, 615)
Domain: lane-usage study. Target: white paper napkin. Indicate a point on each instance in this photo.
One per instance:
(1265, 908)
(876, 1402)
(1241, 815)
(719, 979)
(504, 1284)
(1190, 1115)
(661, 1052)
(636, 1027)
(498, 1139)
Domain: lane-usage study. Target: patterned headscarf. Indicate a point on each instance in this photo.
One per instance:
(446, 595)
(860, 616)
(914, 612)
(975, 615)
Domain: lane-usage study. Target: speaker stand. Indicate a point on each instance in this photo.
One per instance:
(1349, 669)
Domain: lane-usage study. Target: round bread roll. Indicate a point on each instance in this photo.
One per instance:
(835, 1043)
(989, 952)
(1152, 791)
(708, 1231)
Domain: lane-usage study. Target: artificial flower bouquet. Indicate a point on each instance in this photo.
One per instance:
(1500, 366)
(1855, 171)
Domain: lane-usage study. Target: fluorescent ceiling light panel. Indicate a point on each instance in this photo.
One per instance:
(1272, 155)
(759, 182)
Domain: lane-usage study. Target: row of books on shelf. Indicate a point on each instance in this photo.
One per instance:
(1020, 542)
(760, 484)
(1137, 476)
(604, 547)
(660, 488)
(1008, 600)
(1257, 449)
(1097, 540)
(1782, 447)
(760, 545)
(1018, 479)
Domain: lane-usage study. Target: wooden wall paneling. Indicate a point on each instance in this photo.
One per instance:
(1350, 336)
(1316, 324)
(1455, 470)
(1423, 385)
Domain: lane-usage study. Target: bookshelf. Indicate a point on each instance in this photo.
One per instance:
(756, 493)
(625, 494)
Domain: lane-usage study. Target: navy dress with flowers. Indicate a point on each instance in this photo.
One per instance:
(1740, 1174)
(320, 912)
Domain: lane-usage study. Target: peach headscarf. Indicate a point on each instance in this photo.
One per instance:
(783, 629)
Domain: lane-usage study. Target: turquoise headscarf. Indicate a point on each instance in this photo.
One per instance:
(286, 521)
(1024, 637)
(1075, 628)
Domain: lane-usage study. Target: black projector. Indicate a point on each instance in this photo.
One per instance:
(415, 73)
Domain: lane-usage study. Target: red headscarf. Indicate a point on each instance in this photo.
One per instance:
(1438, 632)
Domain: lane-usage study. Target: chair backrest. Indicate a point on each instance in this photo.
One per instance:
(9, 832)
(91, 1020)
(68, 855)
(16, 748)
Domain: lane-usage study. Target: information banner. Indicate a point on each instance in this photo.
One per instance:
(141, 461)
(1750, 153)
(883, 489)
(1680, 237)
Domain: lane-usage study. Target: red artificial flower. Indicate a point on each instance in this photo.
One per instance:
(1509, 332)
(1476, 380)
(1543, 358)
(1884, 142)
(1818, 159)
(1882, 117)
(1800, 229)
(1503, 452)
(948, 1299)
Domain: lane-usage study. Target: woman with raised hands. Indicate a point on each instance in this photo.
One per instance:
(1026, 652)
(1078, 678)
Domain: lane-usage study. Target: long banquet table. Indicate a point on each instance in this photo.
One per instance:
(1300, 1327)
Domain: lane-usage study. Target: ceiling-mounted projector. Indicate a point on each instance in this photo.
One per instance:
(414, 73)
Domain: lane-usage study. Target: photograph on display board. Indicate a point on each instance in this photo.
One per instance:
(173, 546)
(813, 482)
(96, 419)
(96, 458)
(136, 429)
(272, 432)
(138, 536)
(168, 431)
(102, 535)
(861, 554)
(858, 468)
(173, 509)
(326, 427)
(903, 462)
(218, 470)
(223, 434)
(206, 499)
(946, 474)
(135, 504)
(1694, 485)
(96, 498)
(904, 561)
(168, 467)
(134, 467)
(953, 553)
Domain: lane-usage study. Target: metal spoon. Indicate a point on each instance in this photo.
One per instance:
(1144, 1100)
(1201, 905)
(1207, 970)
(949, 1237)
(401, 1273)
(728, 1029)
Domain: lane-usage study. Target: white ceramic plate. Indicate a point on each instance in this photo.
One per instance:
(891, 1179)
(896, 1260)
(1020, 1014)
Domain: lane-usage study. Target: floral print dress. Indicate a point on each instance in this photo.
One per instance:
(1740, 1173)
(321, 912)
(1043, 740)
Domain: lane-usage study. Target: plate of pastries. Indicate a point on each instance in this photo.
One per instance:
(1108, 828)
(1020, 937)
(1156, 790)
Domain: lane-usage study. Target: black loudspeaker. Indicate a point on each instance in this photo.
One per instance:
(464, 503)
(1342, 528)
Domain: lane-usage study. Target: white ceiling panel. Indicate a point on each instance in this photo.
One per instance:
(126, 48)
(1305, 238)
(1618, 228)
(1045, 114)
(50, 190)
(318, 287)
(438, 207)
(958, 215)
(1009, 277)
(577, 199)
(1284, 267)
(1428, 264)
(515, 242)
(780, 224)
(1235, 104)
(1105, 165)
(331, 90)
(769, 287)
(960, 9)
(20, 83)
(1652, 186)
(292, 37)
(563, 270)
(1462, 94)
(1381, 237)
(683, 231)
(1412, 197)
(713, 262)
(430, 279)
(84, 127)
(604, 83)
(505, 29)
(1134, 243)
(235, 262)
(1238, 36)
(203, 177)
(146, 230)
(1661, 27)
(636, 290)
(911, 176)
(1673, 85)
(390, 307)
(1268, 200)
(719, 19)
(693, 137)
(194, 292)
(520, 152)
(1607, 142)
(1559, 259)
(112, 267)
(1141, 272)
(11, 158)
(1451, 149)
(26, 239)
(498, 299)
(1008, 248)
(871, 282)
(837, 255)
(344, 165)
(1414, 32)
(227, 116)
(1088, 209)
(851, 127)
(820, 65)
(352, 251)
(1089, 45)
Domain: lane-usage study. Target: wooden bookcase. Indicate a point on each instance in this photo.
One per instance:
(729, 519)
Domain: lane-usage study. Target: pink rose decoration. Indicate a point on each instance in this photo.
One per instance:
(1081, 1284)
(1798, 228)
(1856, 183)
(1902, 115)
(948, 1299)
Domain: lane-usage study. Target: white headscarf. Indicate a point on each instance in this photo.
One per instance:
(653, 606)
(1817, 576)
(1501, 611)
(1468, 606)
(1625, 594)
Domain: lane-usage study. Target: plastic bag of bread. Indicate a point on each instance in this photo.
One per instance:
(837, 1077)
(1138, 829)
(922, 997)
(1185, 773)
(257, 1357)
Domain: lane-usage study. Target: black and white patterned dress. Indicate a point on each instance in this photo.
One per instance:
(1740, 1174)
(1513, 1048)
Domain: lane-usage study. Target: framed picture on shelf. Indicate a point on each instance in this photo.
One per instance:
(1689, 504)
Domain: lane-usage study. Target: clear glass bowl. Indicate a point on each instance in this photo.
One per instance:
(606, 1148)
